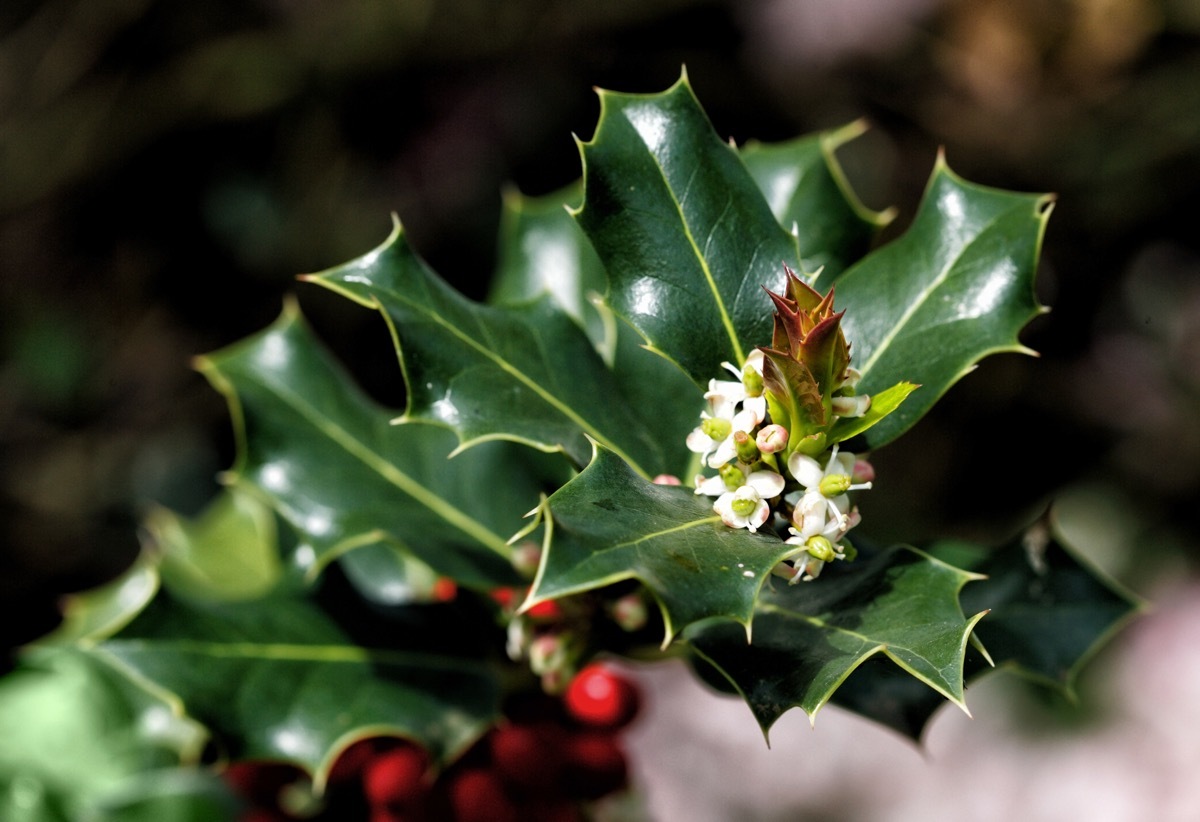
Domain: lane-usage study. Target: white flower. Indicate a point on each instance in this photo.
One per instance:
(747, 506)
(827, 485)
(713, 438)
(732, 392)
(710, 486)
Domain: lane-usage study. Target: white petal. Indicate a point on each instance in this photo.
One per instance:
(710, 486)
(755, 520)
(755, 360)
(805, 469)
(699, 442)
(767, 483)
(744, 420)
(757, 406)
(724, 453)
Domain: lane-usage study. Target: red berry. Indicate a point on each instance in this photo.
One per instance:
(529, 758)
(352, 760)
(546, 611)
(476, 795)
(601, 698)
(596, 765)
(396, 777)
(445, 589)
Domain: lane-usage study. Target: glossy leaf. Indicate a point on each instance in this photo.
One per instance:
(808, 193)
(683, 230)
(609, 525)
(1048, 614)
(810, 637)
(957, 286)
(542, 249)
(332, 464)
(526, 373)
(277, 678)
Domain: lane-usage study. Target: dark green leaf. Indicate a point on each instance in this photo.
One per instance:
(807, 191)
(810, 637)
(1049, 611)
(330, 461)
(608, 524)
(276, 678)
(526, 373)
(683, 230)
(542, 249)
(957, 286)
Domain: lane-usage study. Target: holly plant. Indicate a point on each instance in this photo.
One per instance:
(649, 441)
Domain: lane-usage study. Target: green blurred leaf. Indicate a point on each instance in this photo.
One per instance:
(332, 464)
(230, 551)
(276, 678)
(104, 610)
(75, 736)
(525, 373)
(683, 230)
(810, 637)
(957, 286)
(608, 524)
(807, 191)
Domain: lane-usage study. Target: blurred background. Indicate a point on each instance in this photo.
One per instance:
(166, 169)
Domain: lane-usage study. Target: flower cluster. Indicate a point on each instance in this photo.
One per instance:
(769, 434)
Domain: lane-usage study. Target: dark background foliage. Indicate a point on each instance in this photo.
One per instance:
(167, 168)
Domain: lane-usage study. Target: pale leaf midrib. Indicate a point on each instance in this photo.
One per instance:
(519, 375)
(284, 652)
(926, 293)
(726, 320)
(443, 509)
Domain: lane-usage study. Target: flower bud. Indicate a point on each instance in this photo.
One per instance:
(772, 439)
(851, 406)
(526, 557)
(629, 612)
(666, 479)
(747, 451)
(863, 471)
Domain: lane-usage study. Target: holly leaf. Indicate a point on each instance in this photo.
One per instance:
(229, 551)
(1048, 614)
(277, 678)
(331, 463)
(954, 288)
(808, 638)
(808, 193)
(683, 230)
(608, 524)
(78, 741)
(525, 373)
(543, 250)
(1049, 611)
